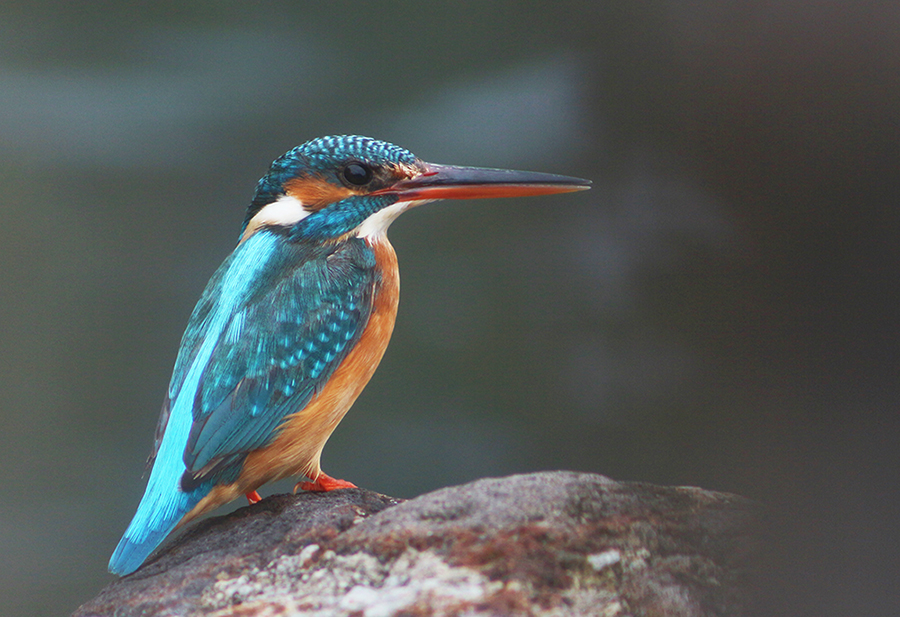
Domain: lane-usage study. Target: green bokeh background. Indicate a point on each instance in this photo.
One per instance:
(720, 310)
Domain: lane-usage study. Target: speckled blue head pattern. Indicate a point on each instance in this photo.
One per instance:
(325, 152)
(319, 157)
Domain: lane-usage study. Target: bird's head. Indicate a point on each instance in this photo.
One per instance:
(332, 187)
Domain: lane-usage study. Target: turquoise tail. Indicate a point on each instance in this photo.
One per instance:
(154, 520)
(164, 504)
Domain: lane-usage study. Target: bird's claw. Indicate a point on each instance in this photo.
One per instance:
(323, 483)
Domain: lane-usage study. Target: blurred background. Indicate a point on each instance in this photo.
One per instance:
(720, 310)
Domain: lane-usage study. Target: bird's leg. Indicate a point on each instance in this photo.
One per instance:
(323, 483)
(253, 497)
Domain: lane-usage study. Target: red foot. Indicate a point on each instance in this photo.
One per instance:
(253, 497)
(323, 483)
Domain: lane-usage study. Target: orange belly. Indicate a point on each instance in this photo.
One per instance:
(298, 447)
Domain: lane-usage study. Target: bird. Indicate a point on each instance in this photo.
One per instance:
(291, 326)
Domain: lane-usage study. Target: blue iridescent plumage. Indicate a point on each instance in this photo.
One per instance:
(313, 317)
(291, 326)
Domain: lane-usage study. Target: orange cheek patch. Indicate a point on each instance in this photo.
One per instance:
(315, 193)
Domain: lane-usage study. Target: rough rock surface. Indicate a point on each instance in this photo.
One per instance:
(555, 543)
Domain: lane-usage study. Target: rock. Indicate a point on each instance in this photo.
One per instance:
(554, 543)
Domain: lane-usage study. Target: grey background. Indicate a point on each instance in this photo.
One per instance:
(720, 310)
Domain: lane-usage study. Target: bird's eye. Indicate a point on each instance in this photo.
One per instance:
(357, 174)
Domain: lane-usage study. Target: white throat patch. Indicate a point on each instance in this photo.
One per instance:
(376, 226)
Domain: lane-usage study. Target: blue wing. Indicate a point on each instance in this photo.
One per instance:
(281, 342)
(274, 322)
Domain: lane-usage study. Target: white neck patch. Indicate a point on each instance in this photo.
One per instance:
(284, 211)
(376, 225)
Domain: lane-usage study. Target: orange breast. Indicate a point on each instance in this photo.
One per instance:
(298, 447)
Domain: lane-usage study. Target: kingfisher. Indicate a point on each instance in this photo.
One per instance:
(291, 326)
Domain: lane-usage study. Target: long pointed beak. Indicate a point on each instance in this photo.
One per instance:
(451, 182)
